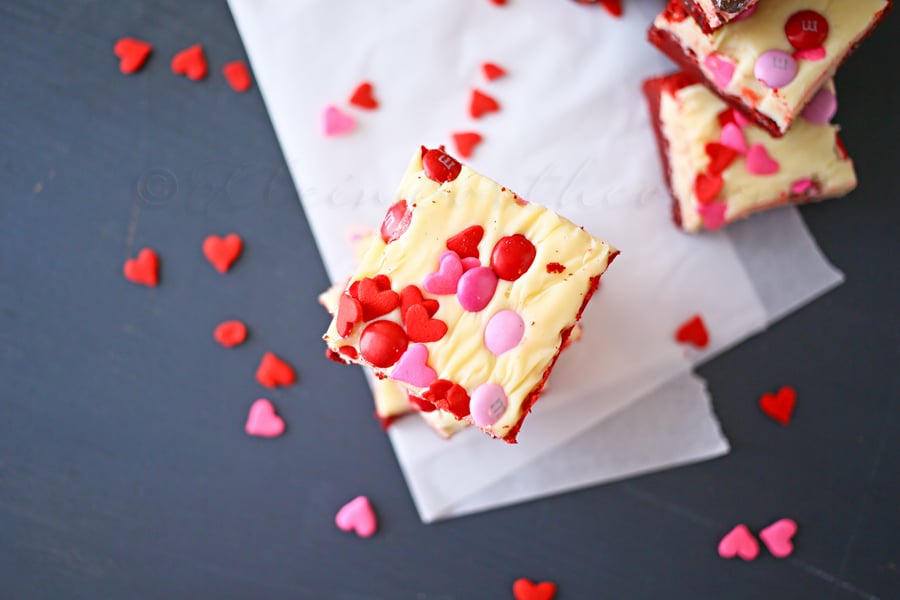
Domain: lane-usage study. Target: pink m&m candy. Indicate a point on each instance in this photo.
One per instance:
(806, 29)
(775, 68)
(488, 403)
(476, 288)
(504, 332)
(821, 108)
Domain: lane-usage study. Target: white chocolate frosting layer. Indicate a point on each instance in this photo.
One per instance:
(689, 120)
(742, 42)
(548, 302)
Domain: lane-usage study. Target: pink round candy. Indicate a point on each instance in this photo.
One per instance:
(487, 404)
(775, 68)
(476, 288)
(821, 108)
(504, 331)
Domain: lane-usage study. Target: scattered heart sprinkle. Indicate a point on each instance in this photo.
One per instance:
(274, 372)
(482, 104)
(693, 331)
(222, 252)
(739, 542)
(335, 122)
(230, 333)
(525, 589)
(132, 53)
(779, 406)
(777, 537)
(492, 71)
(190, 62)
(364, 97)
(143, 270)
(466, 142)
(237, 75)
(262, 420)
(357, 516)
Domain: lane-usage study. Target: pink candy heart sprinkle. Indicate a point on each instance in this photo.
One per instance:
(759, 162)
(733, 137)
(739, 542)
(722, 69)
(262, 420)
(357, 516)
(777, 537)
(412, 368)
(335, 122)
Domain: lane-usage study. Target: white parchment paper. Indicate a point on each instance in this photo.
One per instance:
(573, 134)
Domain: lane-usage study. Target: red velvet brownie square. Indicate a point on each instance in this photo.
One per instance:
(771, 63)
(719, 167)
(712, 14)
(468, 295)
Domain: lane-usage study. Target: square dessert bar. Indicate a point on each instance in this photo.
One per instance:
(468, 295)
(719, 167)
(712, 14)
(771, 63)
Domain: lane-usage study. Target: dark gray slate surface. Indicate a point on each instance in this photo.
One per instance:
(124, 472)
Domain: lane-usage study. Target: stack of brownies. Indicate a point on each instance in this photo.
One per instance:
(746, 125)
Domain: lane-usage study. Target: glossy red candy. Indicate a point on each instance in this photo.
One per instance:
(396, 220)
(511, 257)
(440, 166)
(806, 30)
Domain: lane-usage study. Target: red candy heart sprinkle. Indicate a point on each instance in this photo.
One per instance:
(482, 104)
(693, 331)
(237, 75)
(143, 270)
(465, 143)
(465, 243)
(720, 156)
(440, 166)
(396, 221)
(382, 343)
(364, 97)
(190, 62)
(377, 297)
(492, 71)
(448, 396)
(613, 7)
(132, 54)
(349, 313)
(511, 256)
(222, 252)
(230, 333)
(420, 327)
(707, 187)
(273, 372)
(525, 589)
(779, 406)
(411, 296)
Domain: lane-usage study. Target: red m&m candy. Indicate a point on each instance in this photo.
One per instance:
(396, 220)
(511, 257)
(382, 343)
(440, 166)
(806, 30)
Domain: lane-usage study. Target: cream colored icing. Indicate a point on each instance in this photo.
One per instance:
(744, 41)
(689, 121)
(548, 303)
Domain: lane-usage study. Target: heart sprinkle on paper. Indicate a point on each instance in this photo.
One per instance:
(777, 537)
(262, 420)
(237, 75)
(274, 372)
(492, 71)
(739, 542)
(364, 97)
(143, 270)
(132, 53)
(525, 589)
(482, 104)
(779, 406)
(335, 122)
(466, 142)
(230, 333)
(693, 331)
(357, 516)
(222, 252)
(191, 63)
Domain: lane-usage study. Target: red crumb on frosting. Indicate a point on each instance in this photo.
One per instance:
(555, 267)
